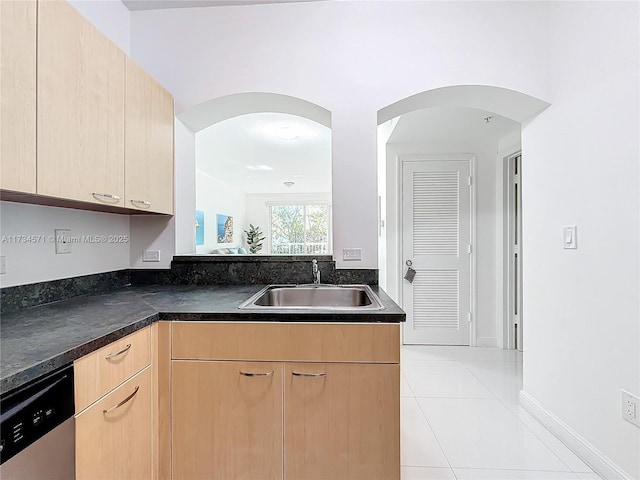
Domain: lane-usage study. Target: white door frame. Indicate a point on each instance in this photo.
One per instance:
(426, 157)
(508, 338)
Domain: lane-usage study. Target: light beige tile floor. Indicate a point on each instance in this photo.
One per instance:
(461, 420)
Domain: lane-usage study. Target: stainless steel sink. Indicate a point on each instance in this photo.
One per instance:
(301, 297)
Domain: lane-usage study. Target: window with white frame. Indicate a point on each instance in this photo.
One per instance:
(300, 229)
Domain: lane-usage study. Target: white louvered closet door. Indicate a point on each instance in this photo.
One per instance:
(436, 239)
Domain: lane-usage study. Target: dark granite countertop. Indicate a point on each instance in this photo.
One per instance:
(40, 339)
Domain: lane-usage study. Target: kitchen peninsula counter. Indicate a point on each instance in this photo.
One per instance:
(40, 339)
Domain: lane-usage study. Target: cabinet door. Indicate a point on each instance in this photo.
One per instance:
(113, 437)
(227, 420)
(18, 95)
(342, 421)
(149, 129)
(80, 108)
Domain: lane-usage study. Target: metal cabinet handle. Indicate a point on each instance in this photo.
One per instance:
(104, 412)
(110, 196)
(252, 374)
(299, 374)
(142, 202)
(111, 355)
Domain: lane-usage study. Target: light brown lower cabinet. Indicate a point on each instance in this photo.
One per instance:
(227, 420)
(341, 421)
(237, 420)
(113, 436)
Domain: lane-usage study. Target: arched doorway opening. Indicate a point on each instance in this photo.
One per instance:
(458, 142)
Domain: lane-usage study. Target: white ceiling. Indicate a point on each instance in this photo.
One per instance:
(134, 5)
(243, 153)
(239, 150)
(451, 125)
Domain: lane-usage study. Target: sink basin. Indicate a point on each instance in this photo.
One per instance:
(330, 297)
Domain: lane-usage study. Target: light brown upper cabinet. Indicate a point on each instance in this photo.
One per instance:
(18, 95)
(148, 143)
(80, 109)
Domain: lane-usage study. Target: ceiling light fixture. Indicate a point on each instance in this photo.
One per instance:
(288, 132)
(285, 130)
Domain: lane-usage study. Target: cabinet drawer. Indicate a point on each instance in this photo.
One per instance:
(113, 436)
(106, 368)
(308, 342)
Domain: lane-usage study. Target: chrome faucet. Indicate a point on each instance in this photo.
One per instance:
(316, 272)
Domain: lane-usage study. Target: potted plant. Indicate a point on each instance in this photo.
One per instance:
(254, 239)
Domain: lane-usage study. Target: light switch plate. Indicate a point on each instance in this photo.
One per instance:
(569, 237)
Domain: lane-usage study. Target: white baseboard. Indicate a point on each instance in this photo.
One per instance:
(486, 342)
(598, 461)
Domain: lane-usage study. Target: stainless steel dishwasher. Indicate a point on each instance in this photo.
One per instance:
(38, 429)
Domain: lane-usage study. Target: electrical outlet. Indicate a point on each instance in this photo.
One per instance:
(151, 256)
(351, 254)
(63, 240)
(630, 407)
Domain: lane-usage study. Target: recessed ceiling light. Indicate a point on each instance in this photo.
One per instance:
(289, 184)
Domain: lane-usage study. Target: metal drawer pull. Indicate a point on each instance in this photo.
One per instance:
(143, 202)
(298, 374)
(111, 355)
(104, 412)
(251, 374)
(110, 196)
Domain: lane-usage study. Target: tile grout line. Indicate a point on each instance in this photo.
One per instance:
(453, 358)
(524, 424)
(433, 432)
(436, 437)
(406, 381)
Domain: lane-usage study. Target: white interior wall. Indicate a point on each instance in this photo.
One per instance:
(215, 197)
(352, 69)
(385, 131)
(581, 167)
(485, 250)
(257, 212)
(152, 232)
(36, 260)
(185, 189)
